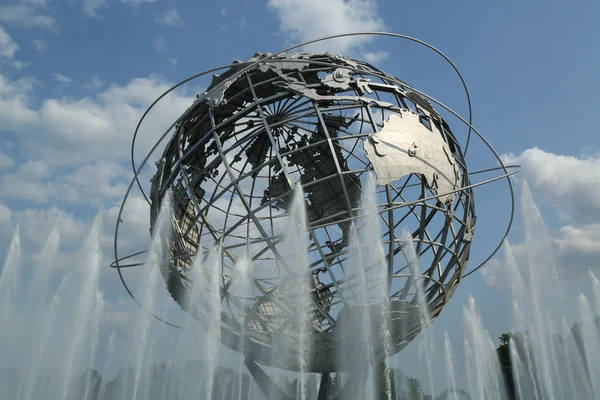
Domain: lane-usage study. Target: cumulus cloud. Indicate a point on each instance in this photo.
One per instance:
(137, 2)
(74, 153)
(90, 184)
(170, 17)
(302, 20)
(5, 161)
(60, 78)
(90, 7)
(159, 43)
(66, 131)
(14, 103)
(574, 250)
(36, 225)
(94, 84)
(572, 185)
(375, 57)
(8, 47)
(5, 214)
(27, 15)
(39, 44)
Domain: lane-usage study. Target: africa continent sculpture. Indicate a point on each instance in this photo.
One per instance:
(340, 137)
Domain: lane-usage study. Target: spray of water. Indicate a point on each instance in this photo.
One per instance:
(448, 359)
(488, 378)
(9, 279)
(84, 324)
(294, 254)
(110, 355)
(148, 288)
(242, 288)
(60, 340)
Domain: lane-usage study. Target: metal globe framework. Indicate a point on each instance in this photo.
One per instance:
(327, 123)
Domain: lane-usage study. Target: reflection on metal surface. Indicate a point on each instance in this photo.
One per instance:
(405, 146)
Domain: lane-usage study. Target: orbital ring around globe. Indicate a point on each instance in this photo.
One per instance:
(326, 123)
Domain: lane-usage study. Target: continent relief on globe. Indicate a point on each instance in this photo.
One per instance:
(405, 145)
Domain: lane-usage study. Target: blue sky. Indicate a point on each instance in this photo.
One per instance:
(75, 76)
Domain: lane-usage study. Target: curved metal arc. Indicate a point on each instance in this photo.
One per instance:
(115, 264)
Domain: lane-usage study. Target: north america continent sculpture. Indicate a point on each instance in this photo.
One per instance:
(353, 147)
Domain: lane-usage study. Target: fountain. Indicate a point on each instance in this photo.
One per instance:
(310, 229)
(62, 331)
(62, 327)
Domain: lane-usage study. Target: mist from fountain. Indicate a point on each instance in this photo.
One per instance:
(426, 348)
(9, 278)
(148, 286)
(366, 292)
(110, 355)
(242, 288)
(487, 384)
(449, 363)
(298, 288)
(52, 321)
(36, 295)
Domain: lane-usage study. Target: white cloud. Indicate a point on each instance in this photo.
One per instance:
(94, 84)
(137, 2)
(302, 20)
(31, 183)
(19, 64)
(8, 47)
(5, 161)
(5, 214)
(39, 44)
(572, 186)
(159, 43)
(90, 184)
(14, 105)
(77, 149)
(574, 250)
(170, 17)
(375, 57)
(90, 7)
(60, 78)
(36, 225)
(66, 131)
(569, 183)
(26, 15)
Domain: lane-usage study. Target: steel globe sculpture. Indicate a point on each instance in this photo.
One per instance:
(323, 122)
(330, 125)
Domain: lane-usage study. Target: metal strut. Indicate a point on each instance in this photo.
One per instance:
(266, 384)
(274, 392)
